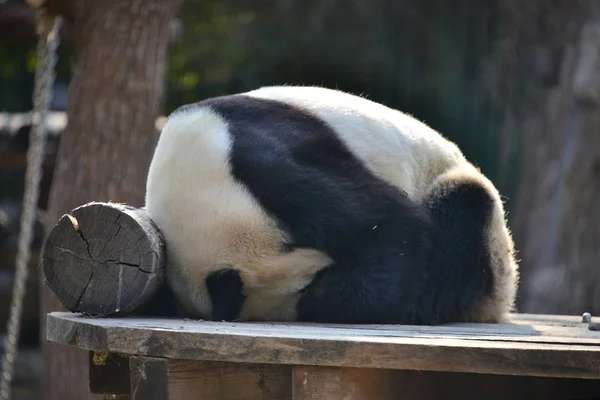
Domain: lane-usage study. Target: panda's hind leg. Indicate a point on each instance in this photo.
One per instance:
(472, 271)
(380, 277)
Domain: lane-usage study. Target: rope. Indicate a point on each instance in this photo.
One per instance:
(44, 79)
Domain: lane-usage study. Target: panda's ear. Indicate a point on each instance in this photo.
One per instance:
(225, 288)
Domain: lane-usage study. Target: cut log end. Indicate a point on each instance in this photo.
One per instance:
(105, 259)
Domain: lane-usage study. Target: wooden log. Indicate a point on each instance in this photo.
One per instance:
(105, 259)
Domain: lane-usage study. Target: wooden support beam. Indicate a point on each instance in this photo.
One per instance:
(208, 380)
(104, 259)
(109, 373)
(333, 383)
(434, 385)
(141, 377)
(149, 378)
(153, 378)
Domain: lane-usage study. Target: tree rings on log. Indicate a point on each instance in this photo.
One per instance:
(105, 259)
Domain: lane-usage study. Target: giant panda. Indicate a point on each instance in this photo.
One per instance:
(295, 203)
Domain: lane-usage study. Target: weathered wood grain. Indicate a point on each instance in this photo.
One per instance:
(334, 383)
(566, 332)
(149, 378)
(529, 349)
(104, 259)
(209, 380)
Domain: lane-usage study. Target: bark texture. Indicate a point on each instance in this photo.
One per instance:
(557, 213)
(115, 95)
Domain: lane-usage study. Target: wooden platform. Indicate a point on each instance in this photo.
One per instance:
(535, 356)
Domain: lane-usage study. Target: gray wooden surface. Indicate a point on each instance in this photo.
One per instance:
(551, 346)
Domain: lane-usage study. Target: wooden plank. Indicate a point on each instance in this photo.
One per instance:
(334, 383)
(515, 332)
(522, 328)
(208, 380)
(361, 384)
(109, 373)
(430, 385)
(548, 319)
(148, 378)
(298, 345)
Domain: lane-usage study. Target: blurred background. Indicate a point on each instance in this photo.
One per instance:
(515, 84)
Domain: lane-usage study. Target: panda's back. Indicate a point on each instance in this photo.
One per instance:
(393, 145)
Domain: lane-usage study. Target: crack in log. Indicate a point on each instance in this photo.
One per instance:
(84, 289)
(71, 253)
(76, 227)
(124, 263)
(129, 265)
(119, 227)
(110, 240)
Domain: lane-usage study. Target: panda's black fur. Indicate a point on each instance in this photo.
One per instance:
(393, 258)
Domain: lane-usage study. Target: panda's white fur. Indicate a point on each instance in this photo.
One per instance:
(210, 221)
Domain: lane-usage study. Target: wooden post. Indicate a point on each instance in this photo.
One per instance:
(149, 378)
(104, 259)
(109, 374)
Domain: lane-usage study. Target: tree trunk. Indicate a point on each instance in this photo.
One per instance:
(557, 216)
(115, 96)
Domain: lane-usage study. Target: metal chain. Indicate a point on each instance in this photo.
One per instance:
(44, 80)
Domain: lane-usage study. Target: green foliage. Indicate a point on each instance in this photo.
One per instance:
(204, 64)
(16, 80)
(17, 71)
